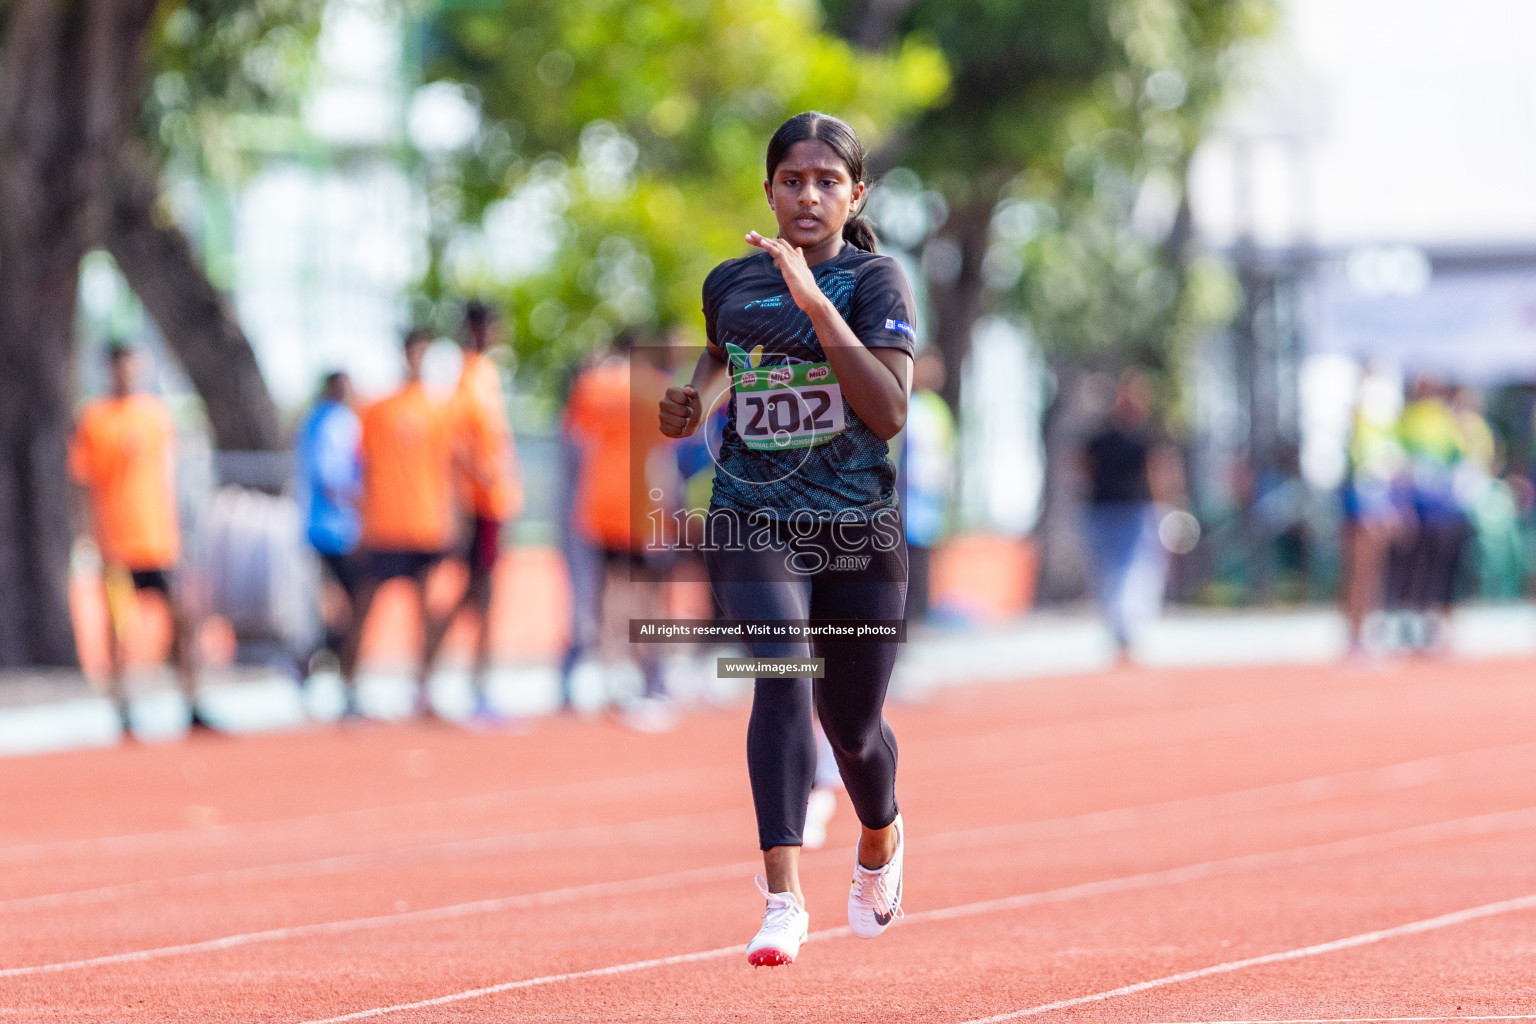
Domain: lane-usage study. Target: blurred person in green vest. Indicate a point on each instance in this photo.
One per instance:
(926, 476)
(1426, 557)
(1376, 498)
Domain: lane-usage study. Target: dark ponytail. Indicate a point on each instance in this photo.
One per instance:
(841, 138)
(859, 232)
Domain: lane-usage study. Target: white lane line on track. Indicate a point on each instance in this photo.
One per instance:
(239, 831)
(1480, 825)
(1483, 824)
(1379, 842)
(235, 832)
(1358, 1020)
(1428, 924)
(584, 836)
(457, 910)
(548, 979)
(1403, 775)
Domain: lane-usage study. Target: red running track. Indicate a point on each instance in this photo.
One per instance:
(1256, 845)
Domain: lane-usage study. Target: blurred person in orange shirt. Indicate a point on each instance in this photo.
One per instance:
(408, 459)
(625, 483)
(489, 482)
(122, 453)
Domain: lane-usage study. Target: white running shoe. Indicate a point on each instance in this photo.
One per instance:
(785, 926)
(874, 899)
(818, 813)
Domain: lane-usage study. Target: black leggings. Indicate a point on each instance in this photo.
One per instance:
(781, 746)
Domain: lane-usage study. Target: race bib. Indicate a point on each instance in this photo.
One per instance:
(782, 407)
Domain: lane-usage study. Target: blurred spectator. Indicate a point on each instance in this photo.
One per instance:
(927, 474)
(1131, 470)
(1426, 556)
(1491, 502)
(329, 485)
(1375, 502)
(123, 452)
(623, 488)
(489, 483)
(408, 460)
(1481, 448)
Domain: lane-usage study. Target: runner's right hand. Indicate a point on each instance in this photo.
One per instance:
(681, 411)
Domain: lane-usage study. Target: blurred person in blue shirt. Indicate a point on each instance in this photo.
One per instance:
(330, 483)
(927, 474)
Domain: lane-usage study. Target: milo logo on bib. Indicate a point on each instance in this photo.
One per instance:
(794, 406)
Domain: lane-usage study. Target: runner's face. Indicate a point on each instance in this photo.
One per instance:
(812, 194)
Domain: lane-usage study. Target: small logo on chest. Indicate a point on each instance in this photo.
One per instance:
(771, 302)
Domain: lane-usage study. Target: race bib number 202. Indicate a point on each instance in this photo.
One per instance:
(795, 406)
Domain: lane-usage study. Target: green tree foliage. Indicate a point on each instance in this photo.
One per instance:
(215, 67)
(1063, 118)
(643, 126)
(1017, 66)
(1102, 234)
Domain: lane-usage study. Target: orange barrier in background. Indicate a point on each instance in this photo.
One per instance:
(985, 576)
(530, 615)
(981, 576)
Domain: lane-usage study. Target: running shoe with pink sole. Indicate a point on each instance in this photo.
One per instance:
(785, 925)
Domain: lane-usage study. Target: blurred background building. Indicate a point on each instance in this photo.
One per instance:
(1368, 185)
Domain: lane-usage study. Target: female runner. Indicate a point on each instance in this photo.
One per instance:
(816, 334)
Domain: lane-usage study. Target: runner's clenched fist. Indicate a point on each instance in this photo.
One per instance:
(680, 412)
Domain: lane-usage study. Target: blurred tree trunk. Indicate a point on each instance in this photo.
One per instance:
(67, 76)
(1075, 414)
(872, 24)
(37, 292)
(956, 284)
(197, 322)
(70, 78)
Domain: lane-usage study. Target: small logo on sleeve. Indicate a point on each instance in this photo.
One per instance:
(902, 326)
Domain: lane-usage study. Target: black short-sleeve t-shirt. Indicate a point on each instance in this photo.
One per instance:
(1118, 457)
(747, 304)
